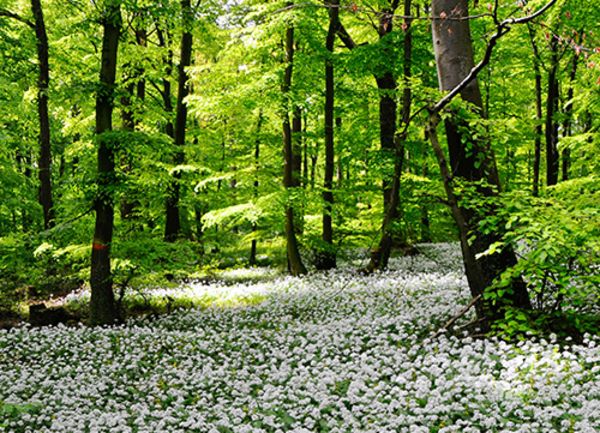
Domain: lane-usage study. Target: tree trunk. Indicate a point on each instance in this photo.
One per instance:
(166, 93)
(387, 112)
(454, 59)
(173, 223)
(45, 162)
(136, 90)
(538, 114)
(290, 177)
(326, 258)
(568, 122)
(102, 305)
(297, 165)
(552, 103)
(253, 246)
(304, 150)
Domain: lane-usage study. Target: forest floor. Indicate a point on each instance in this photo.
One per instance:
(331, 352)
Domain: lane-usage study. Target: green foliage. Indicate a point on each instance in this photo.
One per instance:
(557, 238)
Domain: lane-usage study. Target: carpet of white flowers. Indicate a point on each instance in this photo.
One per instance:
(334, 352)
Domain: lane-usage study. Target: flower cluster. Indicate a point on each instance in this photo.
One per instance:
(333, 352)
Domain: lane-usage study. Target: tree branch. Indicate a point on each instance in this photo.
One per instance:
(8, 14)
(501, 29)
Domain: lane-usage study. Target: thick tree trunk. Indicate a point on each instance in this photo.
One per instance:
(102, 305)
(454, 59)
(290, 178)
(326, 259)
(552, 103)
(173, 222)
(387, 112)
(45, 161)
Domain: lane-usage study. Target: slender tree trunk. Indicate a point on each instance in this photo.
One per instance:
(102, 305)
(537, 151)
(454, 59)
(173, 223)
(568, 122)
(131, 101)
(552, 105)
(290, 178)
(297, 165)
(253, 246)
(166, 93)
(45, 161)
(326, 258)
(425, 224)
(304, 149)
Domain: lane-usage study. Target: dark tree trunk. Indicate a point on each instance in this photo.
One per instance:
(568, 122)
(387, 112)
(387, 124)
(45, 162)
(454, 59)
(173, 223)
(340, 165)
(166, 93)
(390, 145)
(290, 178)
(326, 258)
(537, 151)
(304, 149)
(136, 90)
(102, 305)
(253, 246)
(425, 224)
(297, 165)
(552, 103)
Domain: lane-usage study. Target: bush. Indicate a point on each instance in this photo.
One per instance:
(557, 239)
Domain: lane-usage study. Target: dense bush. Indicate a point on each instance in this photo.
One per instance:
(557, 238)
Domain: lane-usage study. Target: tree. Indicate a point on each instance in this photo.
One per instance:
(291, 174)
(102, 305)
(389, 141)
(471, 160)
(326, 259)
(45, 161)
(173, 223)
(45, 148)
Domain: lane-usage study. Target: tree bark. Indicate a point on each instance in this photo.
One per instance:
(290, 178)
(470, 160)
(326, 257)
(45, 162)
(102, 305)
(537, 151)
(297, 165)
(173, 222)
(552, 105)
(253, 245)
(131, 101)
(568, 122)
(387, 112)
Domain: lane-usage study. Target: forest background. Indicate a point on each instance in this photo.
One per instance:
(159, 131)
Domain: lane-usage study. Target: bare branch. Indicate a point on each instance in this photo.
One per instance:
(458, 316)
(8, 14)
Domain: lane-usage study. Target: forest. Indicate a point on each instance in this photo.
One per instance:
(299, 216)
